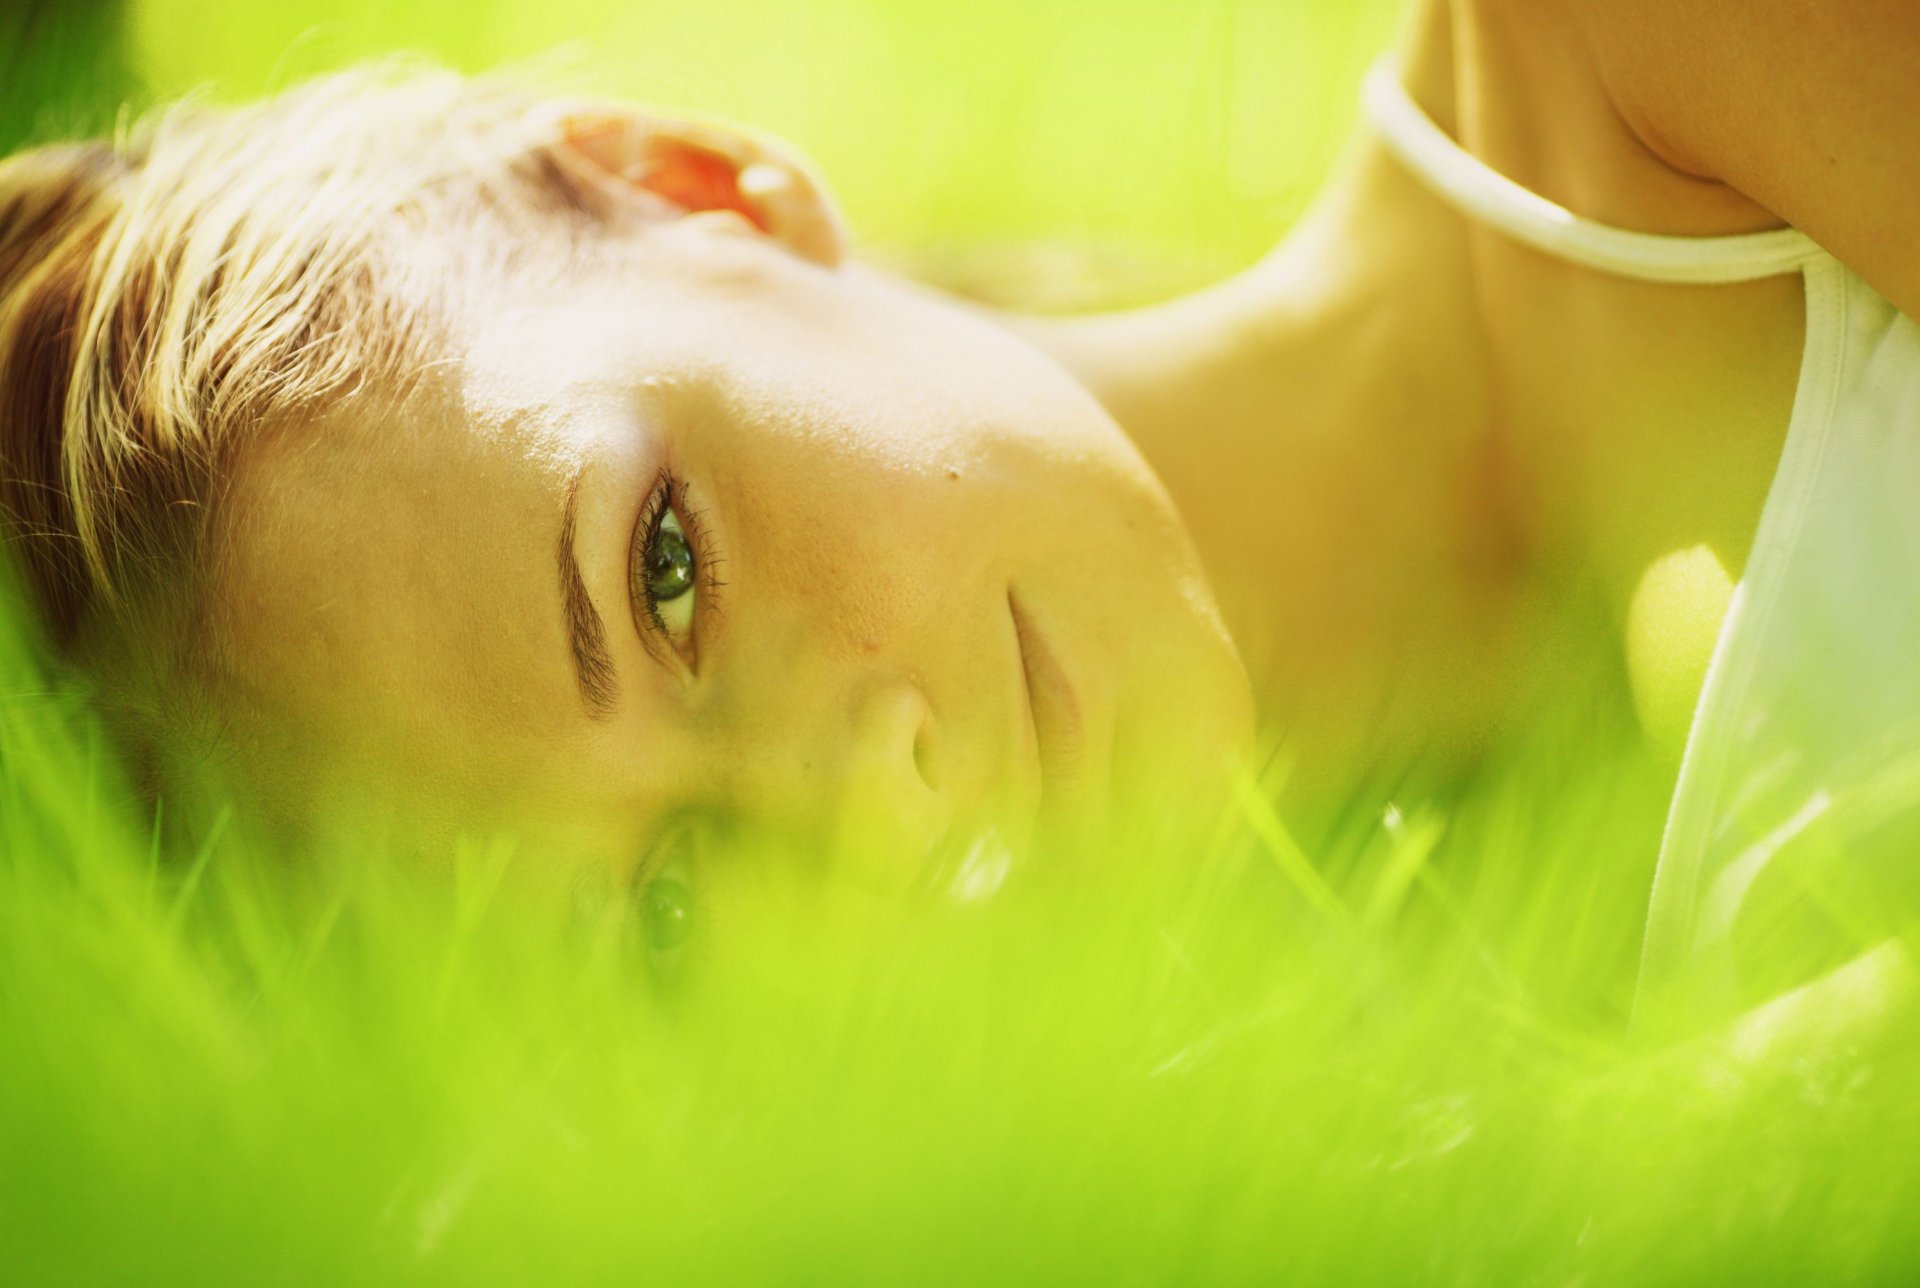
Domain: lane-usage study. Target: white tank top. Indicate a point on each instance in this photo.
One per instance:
(1804, 751)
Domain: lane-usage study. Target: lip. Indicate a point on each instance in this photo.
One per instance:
(1053, 704)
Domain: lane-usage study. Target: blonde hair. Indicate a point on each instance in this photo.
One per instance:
(170, 294)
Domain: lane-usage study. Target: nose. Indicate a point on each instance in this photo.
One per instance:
(892, 814)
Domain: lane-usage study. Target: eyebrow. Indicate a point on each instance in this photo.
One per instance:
(586, 634)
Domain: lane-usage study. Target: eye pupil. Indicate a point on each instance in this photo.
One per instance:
(666, 913)
(669, 564)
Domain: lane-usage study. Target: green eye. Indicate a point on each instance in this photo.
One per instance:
(664, 897)
(668, 567)
(666, 914)
(669, 572)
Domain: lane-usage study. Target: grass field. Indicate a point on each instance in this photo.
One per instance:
(1385, 1046)
(1411, 1066)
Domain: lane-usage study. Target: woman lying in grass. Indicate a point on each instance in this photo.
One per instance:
(412, 456)
(482, 463)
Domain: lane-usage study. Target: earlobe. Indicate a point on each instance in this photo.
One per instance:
(697, 168)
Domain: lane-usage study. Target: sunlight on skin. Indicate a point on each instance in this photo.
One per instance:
(874, 473)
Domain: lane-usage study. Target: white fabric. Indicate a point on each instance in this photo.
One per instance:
(1806, 735)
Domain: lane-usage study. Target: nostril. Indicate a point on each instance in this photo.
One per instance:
(923, 756)
(898, 741)
(891, 816)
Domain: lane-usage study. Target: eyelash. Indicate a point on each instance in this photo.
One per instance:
(671, 495)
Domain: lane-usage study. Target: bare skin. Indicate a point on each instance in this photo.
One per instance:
(1417, 456)
(1415, 459)
(932, 590)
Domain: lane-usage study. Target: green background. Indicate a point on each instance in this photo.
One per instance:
(1393, 1050)
(1102, 150)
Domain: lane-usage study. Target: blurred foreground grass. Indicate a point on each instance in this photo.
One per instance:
(1193, 1062)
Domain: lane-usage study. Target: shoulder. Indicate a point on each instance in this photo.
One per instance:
(1714, 79)
(1811, 109)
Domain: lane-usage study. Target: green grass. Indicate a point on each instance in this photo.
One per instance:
(1386, 1045)
(1412, 1065)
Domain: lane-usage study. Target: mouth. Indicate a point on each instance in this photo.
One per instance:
(1053, 703)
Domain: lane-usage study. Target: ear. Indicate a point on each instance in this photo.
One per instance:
(696, 167)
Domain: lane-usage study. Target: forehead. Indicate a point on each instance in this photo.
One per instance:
(387, 588)
(387, 585)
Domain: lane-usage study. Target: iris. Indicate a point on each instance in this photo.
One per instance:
(666, 913)
(669, 562)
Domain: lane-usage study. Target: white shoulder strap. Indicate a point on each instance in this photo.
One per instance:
(1474, 188)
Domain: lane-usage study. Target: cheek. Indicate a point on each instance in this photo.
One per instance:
(886, 536)
(858, 550)
(917, 502)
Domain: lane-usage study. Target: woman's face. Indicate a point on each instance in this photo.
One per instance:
(723, 534)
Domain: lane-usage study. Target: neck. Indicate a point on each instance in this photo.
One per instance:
(1321, 421)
